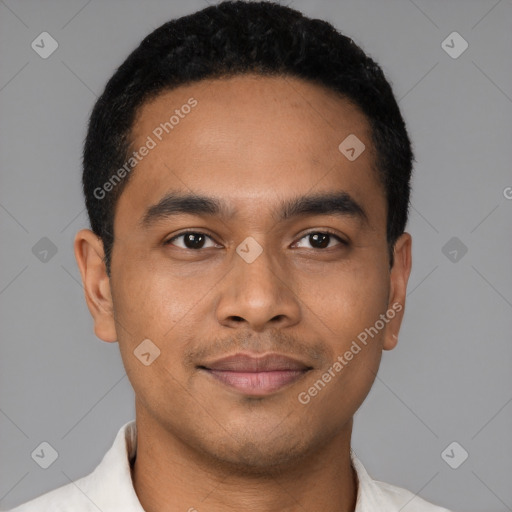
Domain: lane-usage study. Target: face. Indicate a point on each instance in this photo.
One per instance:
(244, 231)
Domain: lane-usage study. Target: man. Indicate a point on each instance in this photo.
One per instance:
(247, 178)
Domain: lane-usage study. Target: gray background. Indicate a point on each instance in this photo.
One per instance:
(448, 380)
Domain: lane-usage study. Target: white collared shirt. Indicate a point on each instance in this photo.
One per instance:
(109, 487)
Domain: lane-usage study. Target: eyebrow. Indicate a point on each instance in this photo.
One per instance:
(338, 204)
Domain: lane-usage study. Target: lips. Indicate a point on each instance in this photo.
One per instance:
(248, 363)
(256, 376)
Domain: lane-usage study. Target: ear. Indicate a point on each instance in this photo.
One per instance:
(399, 277)
(89, 255)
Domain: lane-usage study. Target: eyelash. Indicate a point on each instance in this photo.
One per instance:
(322, 231)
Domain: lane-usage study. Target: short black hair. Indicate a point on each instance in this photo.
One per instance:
(234, 38)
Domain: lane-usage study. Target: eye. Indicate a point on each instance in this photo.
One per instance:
(196, 240)
(191, 240)
(322, 239)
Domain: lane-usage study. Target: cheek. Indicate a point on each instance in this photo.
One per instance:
(151, 301)
(344, 300)
(153, 314)
(165, 308)
(348, 313)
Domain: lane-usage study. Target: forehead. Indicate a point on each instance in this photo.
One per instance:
(249, 139)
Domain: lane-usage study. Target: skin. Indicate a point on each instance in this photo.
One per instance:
(253, 142)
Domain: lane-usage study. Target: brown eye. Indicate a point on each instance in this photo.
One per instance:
(190, 240)
(322, 239)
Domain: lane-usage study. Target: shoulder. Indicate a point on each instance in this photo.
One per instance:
(68, 498)
(406, 501)
(108, 488)
(374, 495)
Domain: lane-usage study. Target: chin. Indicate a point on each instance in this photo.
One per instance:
(260, 454)
(258, 460)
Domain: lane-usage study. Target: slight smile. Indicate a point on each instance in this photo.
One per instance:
(256, 376)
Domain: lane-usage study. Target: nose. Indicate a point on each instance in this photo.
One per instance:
(258, 295)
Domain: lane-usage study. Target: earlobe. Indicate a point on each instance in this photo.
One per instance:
(390, 341)
(391, 334)
(399, 278)
(89, 255)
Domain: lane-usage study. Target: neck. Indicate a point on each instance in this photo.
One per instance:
(170, 476)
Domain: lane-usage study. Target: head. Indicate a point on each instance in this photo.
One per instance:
(233, 125)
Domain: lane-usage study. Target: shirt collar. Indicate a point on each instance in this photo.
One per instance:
(111, 481)
(369, 495)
